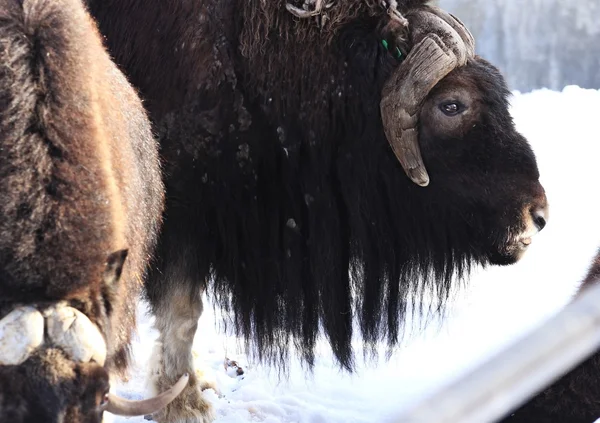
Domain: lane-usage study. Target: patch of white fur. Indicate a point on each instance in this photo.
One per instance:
(155, 367)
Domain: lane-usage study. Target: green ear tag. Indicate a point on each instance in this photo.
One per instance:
(398, 53)
(385, 43)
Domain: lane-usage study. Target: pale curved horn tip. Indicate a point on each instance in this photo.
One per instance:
(419, 176)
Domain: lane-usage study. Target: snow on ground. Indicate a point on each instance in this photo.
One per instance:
(499, 304)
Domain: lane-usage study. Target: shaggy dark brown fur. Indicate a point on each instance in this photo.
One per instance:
(281, 183)
(593, 275)
(79, 173)
(51, 388)
(575, 397)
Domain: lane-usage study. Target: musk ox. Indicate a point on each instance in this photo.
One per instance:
(324, 165)
(574, 397)
(80, 190)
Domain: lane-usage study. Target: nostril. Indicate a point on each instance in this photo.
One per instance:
(539, 219)
(540, 222)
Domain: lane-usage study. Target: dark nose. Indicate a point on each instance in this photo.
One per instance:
(540, 217)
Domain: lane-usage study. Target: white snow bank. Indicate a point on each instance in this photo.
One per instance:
(499, 304)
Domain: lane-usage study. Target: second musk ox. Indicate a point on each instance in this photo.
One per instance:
(81, 199)
(325, 164)
(573, 398)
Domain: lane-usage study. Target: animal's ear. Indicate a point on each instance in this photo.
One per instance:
(114, 268)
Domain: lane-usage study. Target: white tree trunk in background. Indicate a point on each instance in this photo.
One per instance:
(536, 43)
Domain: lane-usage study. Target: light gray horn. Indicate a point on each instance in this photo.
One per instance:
(437, 49)
(21, 333)
(123, 407)
(460, 29)
(74, 332)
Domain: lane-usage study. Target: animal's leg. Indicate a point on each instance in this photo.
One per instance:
(177, 305)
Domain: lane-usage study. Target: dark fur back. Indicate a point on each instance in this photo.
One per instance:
(79, 172)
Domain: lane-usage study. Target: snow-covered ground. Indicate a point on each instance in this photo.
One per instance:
(498, 305)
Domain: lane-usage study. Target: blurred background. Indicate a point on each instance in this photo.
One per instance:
(536, 43)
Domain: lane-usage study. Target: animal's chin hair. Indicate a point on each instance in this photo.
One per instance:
(363, 276)
(509, 239)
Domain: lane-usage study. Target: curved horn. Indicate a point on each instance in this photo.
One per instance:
(438, 49)
(459, 27)
(73, 331)
(21, 332)
(123, 407)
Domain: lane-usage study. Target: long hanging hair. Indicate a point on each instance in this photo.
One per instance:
(304, 216)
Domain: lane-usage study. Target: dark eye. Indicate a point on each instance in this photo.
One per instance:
(452, 108)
